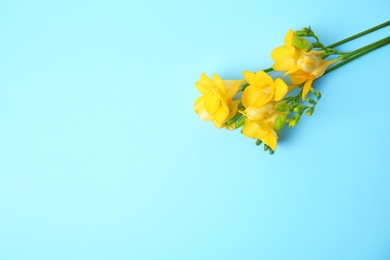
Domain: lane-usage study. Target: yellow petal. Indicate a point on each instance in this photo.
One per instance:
(219, 125)
(212, 102)
(280, 52)
(271, 137)
(284, 63)
(205, 84)
(253, 129)
(271, 140)
(249, 76)
(306, 89)
(201, 110)
(232, 87)
(262, 79)
(233, 108)
(206, 81)
(222, 113)
(262, 100)
(219, 83)
(250, 95)
(281, 89)
(293, 69)
(297, 80)
(288, 38)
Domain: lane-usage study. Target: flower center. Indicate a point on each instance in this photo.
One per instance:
(258, 113)
(267, 91)
(308, 63)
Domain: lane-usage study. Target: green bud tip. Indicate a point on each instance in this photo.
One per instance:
(310, 112)
(282, 107)
(279, 122)
(302, 44)
(294, 120)
(240, 122)
(311, 101)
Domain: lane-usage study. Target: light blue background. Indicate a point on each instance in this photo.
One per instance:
(102, 156)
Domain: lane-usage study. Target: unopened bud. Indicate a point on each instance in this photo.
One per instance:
(304, 32)
(240, 122)
(311, 101)
(279, 122)
(302, 44)
(294, 121)
(316, 93)
(300, 33)
(310, 111)
(282, 107)
(298, 109)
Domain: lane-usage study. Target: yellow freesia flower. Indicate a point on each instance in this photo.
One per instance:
(216, 103)
(262, 89)
(260, 116)
(302, 66)
(259, 123)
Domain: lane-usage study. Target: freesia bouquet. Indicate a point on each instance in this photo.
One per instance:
(261, 105)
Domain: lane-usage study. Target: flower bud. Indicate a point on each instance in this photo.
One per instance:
(316, 93)
(300, 33)
(310, 111)
(279, 122)
(302, 44)
(240, 122)
(294, 120)
(282, 107)
(298, 109)
(304, 32)
(311, 101)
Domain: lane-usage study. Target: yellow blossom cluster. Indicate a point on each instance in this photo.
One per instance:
(260, 103)
(302, 66)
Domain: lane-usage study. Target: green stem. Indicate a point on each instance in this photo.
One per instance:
(360, 34)
(363, 51)
(384, 40)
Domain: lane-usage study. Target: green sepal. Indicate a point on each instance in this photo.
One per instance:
(241, 121)
(234, 119)
(293, 121)
(282, 107)
(279, 122)
(310, 111)
(311, 101)
(302, 44)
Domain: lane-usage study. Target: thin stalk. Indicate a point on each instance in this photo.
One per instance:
(384, 40)
(360, 34)
(364, 52)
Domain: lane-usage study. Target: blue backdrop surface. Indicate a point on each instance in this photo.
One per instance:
(103, 157)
